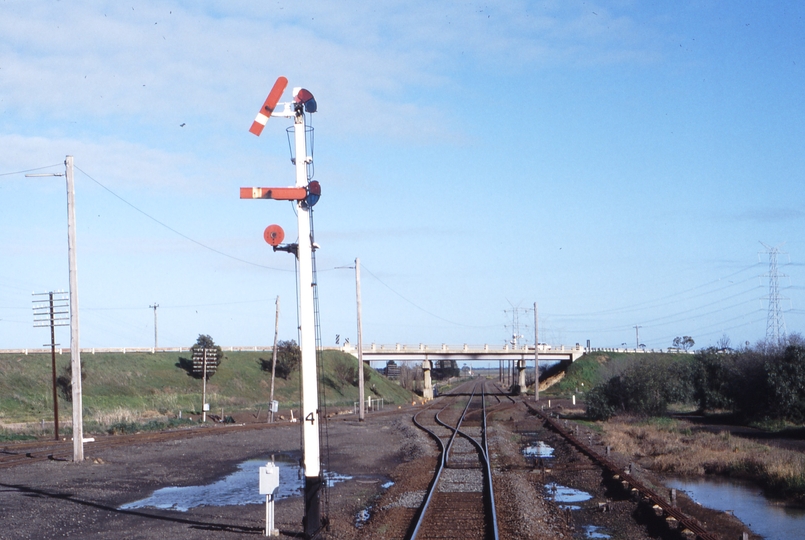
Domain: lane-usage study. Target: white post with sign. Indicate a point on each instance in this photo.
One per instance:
(269, 482)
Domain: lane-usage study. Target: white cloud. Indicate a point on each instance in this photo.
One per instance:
(115, 67)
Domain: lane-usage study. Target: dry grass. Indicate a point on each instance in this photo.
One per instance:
(673, 447)
(122, 414)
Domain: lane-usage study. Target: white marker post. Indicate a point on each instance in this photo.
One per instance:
(269, 482)
(307, 338)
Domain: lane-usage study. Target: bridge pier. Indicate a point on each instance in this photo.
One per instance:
(427, 390)
(520, 387)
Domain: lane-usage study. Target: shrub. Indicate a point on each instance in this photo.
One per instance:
(646, 388)
(289, 356)
(712, 378)
(599, 406)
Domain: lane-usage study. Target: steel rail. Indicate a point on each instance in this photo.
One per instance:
(483, 451)
(489, 470)
(440, 467)
(16, 454)
(672, 511)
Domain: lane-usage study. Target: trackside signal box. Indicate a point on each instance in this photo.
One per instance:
(269, 482)
(269, 479)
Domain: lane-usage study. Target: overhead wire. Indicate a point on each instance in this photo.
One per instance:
(420, 308)
(31, 170)
(718, 325)
(687, 315)
(652, 303)
(183, 306)
(155, 220)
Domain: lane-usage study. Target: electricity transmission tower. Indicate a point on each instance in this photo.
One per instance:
(515, 327)
(775, 324)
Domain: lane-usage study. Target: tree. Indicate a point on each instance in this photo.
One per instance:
(713, 378)
(289, 356)
(645, 388)
(786, 384)
(64, 382)
(204, 341)
(685, 343)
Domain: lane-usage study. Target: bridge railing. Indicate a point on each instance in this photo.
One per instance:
(444, 347)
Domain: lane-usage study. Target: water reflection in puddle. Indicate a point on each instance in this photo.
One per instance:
(747, 503)
(538, 450)
(593, 531)
(564, 494)
(364, 515)
(239, 488)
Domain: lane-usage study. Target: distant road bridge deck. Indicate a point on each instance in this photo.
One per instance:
(464, 353)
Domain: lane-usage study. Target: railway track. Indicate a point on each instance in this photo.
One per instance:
(674, 518)
(460, 500)
(24, 453)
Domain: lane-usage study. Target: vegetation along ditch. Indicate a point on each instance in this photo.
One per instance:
(736, 413)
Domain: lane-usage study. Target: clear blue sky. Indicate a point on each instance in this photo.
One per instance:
(616, 162)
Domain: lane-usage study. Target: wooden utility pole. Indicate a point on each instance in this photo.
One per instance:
(53, 368)
(75, 349)
(156, 335)
(361, 398)
(536, 354)
(270, 417)
(52, 312)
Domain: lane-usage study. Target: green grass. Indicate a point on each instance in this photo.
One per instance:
(594, 368)
(121, 388)
(581, 375)
(120, 428)
(8, 436)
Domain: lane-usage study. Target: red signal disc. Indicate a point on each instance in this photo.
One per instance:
(274, 235)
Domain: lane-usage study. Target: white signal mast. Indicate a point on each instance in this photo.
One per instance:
(306, 193)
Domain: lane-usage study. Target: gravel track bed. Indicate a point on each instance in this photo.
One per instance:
(62, 499)
(461, 481)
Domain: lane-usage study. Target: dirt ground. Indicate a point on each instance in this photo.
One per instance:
(63, 499)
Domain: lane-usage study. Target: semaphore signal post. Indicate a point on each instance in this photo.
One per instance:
(305, 193)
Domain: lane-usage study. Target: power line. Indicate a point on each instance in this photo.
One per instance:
(653, 303)
(155, 220)
(32, 170)
(363, 266)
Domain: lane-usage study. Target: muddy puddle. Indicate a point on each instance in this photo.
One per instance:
(239, 488)
(565, 495)
(538, 450)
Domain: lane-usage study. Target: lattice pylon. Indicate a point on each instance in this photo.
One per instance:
(775, 323)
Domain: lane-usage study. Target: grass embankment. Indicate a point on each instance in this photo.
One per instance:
(594, 368)
(676, 447)
(134, 387)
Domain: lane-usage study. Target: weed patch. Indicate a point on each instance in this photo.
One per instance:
(675, 447)
(9, 436)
